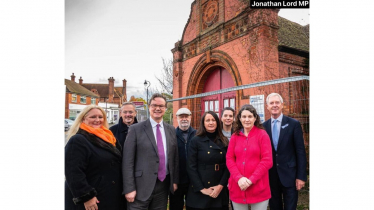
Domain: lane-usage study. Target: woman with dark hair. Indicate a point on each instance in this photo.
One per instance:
(92, 164)
(227, 120)
(249, 158)
(206, 166)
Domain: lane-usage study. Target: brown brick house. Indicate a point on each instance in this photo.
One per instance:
(110, 98)
(76, 98)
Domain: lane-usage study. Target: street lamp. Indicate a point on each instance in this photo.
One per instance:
(146, 85)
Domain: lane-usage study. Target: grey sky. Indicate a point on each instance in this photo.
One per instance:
(128, 39)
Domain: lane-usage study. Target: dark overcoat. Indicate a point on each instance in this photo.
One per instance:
(120, 130)
(206, 167)
(182, 151)
(92, 168)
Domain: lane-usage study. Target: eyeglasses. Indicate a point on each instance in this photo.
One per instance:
(159, 106)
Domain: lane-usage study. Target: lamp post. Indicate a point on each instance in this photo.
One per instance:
(146, 85)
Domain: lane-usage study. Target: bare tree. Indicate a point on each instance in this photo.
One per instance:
(166, 78)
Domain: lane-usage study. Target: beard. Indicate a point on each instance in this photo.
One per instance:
(184, 125)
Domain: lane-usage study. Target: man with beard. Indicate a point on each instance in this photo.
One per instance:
(128, 117)
(184, 134)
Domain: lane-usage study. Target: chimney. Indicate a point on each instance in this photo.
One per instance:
(72, 77)
(80, 81)
(111, 90)
(124, 91)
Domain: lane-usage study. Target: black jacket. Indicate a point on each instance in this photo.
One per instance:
(120, 131)
(206, 167)
(182, 151)
(92, 168)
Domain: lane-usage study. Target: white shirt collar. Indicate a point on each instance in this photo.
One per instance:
(154, 123)
(279, 118)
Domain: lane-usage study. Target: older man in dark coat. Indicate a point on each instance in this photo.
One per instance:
(184, 133)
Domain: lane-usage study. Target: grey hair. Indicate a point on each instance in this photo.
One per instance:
(274, 94)
(128, 103)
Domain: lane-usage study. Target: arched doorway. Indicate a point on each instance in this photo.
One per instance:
(218, 79)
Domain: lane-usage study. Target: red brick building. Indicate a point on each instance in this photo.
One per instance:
(107, 92)
(76, 98)
(226, 44)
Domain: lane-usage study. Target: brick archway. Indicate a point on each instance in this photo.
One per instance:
(201, 70)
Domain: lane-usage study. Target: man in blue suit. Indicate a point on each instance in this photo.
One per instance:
(288, 174)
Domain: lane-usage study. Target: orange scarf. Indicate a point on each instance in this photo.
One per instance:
(102, 132)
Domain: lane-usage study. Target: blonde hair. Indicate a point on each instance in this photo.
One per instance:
(78, 121)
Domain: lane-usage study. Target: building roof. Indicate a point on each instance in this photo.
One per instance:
(102, 89)
(74, 87)
(117, 91)
(293, 35)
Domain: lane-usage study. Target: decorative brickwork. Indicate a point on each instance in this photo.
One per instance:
(235, 29)
(210, 13)
(228, 34)
(189, 51)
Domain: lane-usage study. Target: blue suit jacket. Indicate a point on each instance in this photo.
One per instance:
(289, 161)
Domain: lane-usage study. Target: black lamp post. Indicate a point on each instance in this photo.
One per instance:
(146, 85)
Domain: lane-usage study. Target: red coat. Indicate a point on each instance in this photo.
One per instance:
(250, 157)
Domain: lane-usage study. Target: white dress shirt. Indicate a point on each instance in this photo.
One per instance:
(162, 130)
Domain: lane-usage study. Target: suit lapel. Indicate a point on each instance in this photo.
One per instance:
(282, 130)
(268, 130)
(149, 132)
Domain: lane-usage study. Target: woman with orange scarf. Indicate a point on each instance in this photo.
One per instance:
(92, 164)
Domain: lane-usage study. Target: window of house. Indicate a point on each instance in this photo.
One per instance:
(206, 106)
(232, 103)
(216, 106)
(73, 97)
(225, 102)
(93, 100)
(83, 99)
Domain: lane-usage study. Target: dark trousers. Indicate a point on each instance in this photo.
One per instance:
(158, 199)
(177, 200)
(289, 194)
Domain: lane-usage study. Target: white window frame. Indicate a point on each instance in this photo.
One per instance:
(85, 100)
(232, 103)
(216, 106)
(73, 96)
(225, 103)
(93, 100)
(211, 106)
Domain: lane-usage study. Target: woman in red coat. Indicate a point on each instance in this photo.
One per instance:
(249, 159)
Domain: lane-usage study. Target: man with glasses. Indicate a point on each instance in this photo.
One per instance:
(128, 117)
(150, 163)
(184, 134)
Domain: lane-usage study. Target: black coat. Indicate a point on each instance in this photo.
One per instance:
(182, 151)
(92, 168)
(120, 130)
(206, 167)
